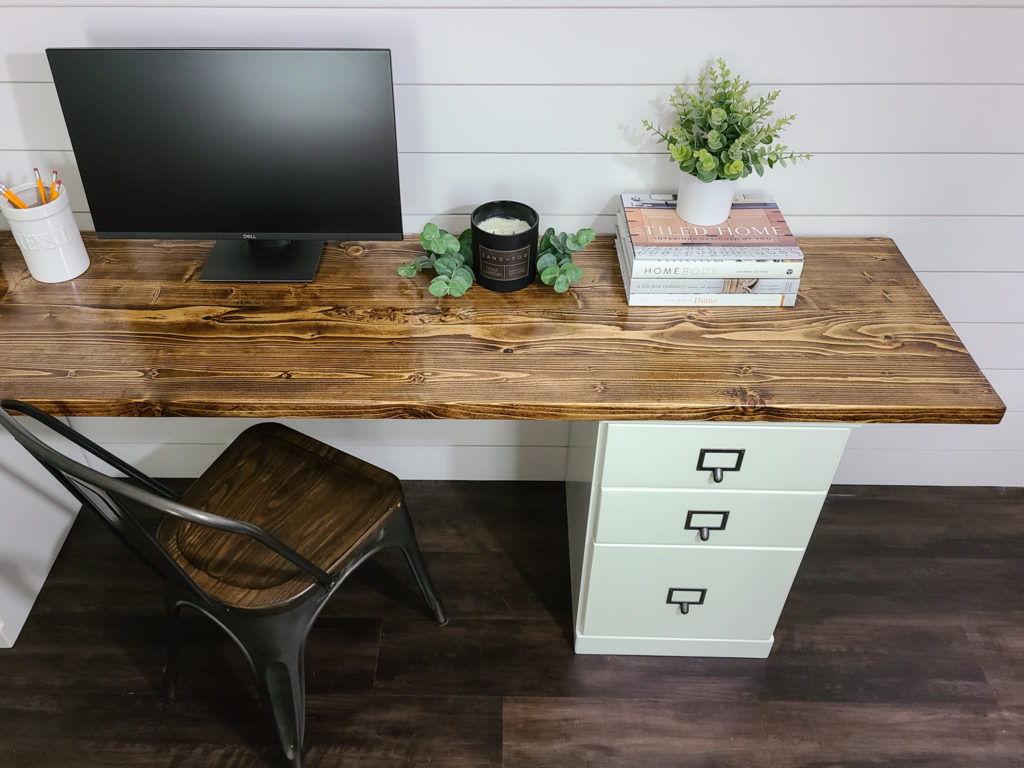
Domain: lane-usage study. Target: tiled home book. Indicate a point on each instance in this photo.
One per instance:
(677, 268)
(755, 229)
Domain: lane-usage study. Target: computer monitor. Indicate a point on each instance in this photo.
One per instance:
(270, 152)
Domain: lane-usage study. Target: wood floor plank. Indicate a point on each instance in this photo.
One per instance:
(603, 733)
(902, 645)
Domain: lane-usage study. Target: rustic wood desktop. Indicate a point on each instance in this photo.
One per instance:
(703, 439)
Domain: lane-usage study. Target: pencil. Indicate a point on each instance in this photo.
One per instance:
(15, 200)
(53, 186)
(56, 188)
(42, 189)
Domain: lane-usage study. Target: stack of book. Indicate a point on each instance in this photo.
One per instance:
(751, 259)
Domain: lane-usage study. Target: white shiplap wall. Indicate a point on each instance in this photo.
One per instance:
(915, 111)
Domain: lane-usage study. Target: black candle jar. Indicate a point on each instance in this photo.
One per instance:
(505, 262)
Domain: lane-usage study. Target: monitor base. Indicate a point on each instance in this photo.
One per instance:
(262, 261)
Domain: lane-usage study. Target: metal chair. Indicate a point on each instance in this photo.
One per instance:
(259, 543)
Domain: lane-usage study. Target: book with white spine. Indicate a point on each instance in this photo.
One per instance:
(644, 298)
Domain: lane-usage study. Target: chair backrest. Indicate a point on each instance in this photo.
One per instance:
(116, 500)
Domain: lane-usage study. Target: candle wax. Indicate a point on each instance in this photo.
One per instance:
(500, 225)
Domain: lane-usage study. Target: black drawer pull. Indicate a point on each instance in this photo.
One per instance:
(684, 597)
(706, 520)
(718, 461)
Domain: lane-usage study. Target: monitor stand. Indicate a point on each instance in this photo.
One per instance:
(262, 261)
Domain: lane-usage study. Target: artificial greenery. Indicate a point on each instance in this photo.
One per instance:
(450, 257)
(720, 132)
(554, 257)
(447, 255)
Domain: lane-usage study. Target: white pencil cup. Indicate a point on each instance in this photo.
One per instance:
(47, 235)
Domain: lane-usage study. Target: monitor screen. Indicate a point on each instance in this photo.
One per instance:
(268, 151)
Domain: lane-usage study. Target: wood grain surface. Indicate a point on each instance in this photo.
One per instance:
(139, 335)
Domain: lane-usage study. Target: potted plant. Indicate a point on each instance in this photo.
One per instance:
(720, 135)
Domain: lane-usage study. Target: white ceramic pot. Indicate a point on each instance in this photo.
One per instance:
(704, 202)
(47, 235)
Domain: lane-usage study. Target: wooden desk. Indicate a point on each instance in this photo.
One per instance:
(138, 335)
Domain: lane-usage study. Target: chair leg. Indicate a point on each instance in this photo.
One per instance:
(405, 538)
(276, 647)
(170, 675)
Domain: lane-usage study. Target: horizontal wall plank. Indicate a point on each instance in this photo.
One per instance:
(1010, 386)
(993, 345)
(861, 185)
(1008, 435)
(931, 243)
(864, 185)
(409, 462)
(564, 45)
(507, 4)
(996, 297)
(830, 118)
(221, 431)
(952, 467)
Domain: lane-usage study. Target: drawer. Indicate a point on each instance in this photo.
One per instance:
(737, 594)
(752, 456)
(729, 518)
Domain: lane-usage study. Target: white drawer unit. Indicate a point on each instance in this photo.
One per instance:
(686, 538)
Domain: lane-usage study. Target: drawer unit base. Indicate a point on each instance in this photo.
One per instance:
(673, 646)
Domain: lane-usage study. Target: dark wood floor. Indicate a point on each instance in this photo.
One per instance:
(902, 644)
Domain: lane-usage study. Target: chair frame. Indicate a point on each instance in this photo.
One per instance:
(272, 639)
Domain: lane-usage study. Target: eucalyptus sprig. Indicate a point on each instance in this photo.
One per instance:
(722, 133)
(554, 257)
(447, 255)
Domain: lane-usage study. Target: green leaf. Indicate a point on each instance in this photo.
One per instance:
(546, 260)
(408, 269)
(430, 232)
(449, 242)
(438, 286)
(572, 244)
(458, 285)
(465, 274)
(561, 284)
(549, 275)
(545, 241)
(446, 265)
(466, 245)
(572, 272)
(734, 169)
(585, 237)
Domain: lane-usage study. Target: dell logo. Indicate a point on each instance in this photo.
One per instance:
(247, 236)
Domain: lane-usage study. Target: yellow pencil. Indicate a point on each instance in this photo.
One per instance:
(39, 183)
(15, 200)
(53, 186)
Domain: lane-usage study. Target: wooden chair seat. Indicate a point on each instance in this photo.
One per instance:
(320, 501)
